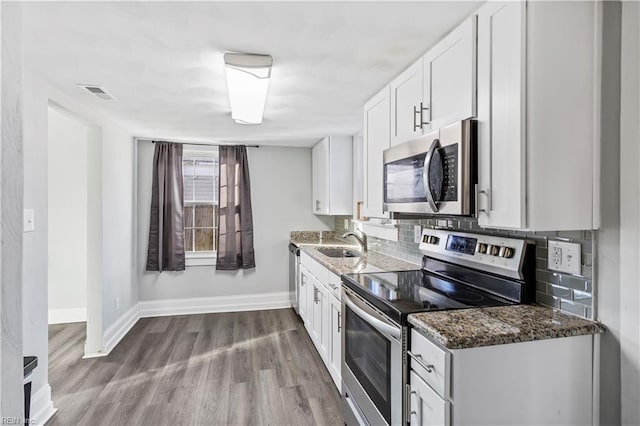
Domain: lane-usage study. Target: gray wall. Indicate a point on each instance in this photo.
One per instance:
(607, 273)
(281, 200)
(11, 212)
(630, 214)
(67, 211)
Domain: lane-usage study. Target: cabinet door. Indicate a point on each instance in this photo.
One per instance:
(376, 140)
(303, 285)
(406, 99)
(501, 108)
(426, 406)
(334, 361)
(311, 296)
(449, 71)
(320, 320)
(320, 167)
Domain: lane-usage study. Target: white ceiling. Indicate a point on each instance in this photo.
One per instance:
(163, 60)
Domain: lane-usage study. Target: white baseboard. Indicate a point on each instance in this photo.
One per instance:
(205, 305)
(197, 305)
(42, 405)
(118, 330)
(63, 316)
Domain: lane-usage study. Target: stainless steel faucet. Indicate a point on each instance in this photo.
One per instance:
(360, 236)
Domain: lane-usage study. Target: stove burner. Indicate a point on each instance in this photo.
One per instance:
(465, 296)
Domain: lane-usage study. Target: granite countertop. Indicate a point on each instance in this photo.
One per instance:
(318, 238)
(367, 262)
(469, 328)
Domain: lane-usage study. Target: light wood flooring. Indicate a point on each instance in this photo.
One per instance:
(246, 368)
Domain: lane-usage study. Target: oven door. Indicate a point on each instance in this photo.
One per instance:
(372, 364)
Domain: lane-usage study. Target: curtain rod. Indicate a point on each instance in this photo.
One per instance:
(207, 143)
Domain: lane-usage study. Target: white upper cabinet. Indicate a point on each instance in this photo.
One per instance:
(538, 115)
(406, 98)
(501, 115)
(376, 140)
(332, 165)
(449, 78)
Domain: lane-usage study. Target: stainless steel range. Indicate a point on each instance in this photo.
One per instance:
(459, 271)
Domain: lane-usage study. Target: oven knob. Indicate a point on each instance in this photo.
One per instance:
(433, 240)
(506, 252)
(481, 248)
(493, 250)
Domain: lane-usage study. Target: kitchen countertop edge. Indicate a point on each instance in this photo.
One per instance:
(477, 327)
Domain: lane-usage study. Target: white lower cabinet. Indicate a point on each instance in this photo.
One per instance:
(538, 382)
(303, 286)
(427, 408)
(334, 362)
(319, 333)
(322, 313)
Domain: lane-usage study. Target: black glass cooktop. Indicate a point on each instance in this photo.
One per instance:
(399, 294)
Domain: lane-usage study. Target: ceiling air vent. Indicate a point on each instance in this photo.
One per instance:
(98, 92)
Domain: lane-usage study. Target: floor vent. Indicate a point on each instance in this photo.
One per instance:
(98, 92)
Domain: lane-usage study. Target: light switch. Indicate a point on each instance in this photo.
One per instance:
(28, 220)
(417, 233)
(564, 257)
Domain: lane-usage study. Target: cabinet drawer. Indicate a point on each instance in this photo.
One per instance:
(315, 268)
(425, 353)
(427, 408)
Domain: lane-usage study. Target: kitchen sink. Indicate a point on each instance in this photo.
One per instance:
(338, 252)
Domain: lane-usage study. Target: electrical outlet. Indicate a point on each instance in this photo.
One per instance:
(346, 224)
(555, 257)
(417, 233)
(117, 303)
(564, 257)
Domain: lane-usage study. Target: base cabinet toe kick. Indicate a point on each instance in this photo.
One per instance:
(528, 383)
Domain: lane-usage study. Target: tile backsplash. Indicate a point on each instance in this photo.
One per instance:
(569, 293)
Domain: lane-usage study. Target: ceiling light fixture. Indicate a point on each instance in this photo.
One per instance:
(248, 80)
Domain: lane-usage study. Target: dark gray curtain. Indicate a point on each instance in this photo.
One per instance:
(235, 225)
(166, 228)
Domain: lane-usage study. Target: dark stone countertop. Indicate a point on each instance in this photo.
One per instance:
(475, 327)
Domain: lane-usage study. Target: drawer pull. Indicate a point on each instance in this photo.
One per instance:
(418, 359)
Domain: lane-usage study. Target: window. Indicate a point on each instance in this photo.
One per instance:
(200, 177)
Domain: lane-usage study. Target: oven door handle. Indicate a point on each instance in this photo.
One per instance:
(425, 176)
(377, 323)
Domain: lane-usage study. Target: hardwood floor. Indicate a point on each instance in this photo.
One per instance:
(246, 368)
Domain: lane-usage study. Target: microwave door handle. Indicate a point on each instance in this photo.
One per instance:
(427, 166)
(376, 323)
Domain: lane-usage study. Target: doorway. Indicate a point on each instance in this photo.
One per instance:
(74, 217)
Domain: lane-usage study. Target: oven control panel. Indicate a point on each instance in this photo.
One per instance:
(487, 252)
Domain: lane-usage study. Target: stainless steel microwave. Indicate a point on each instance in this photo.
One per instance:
(433, 174)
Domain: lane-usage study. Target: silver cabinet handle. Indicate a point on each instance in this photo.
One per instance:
(315, 294)
(418, 359)
(416, 126)
(339, 321)
(317, 205)
(487, 194)
(422, 110)
(425, 177)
